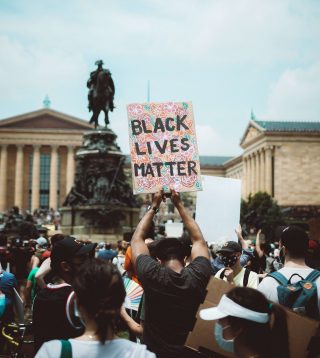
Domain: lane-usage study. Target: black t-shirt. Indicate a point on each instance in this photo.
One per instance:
(50, 315)
(171, 302)
(21, 257)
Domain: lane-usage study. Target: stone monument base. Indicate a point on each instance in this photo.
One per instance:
(77, 222)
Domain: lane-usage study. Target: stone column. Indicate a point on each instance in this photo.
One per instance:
(3, 177)
(249, 187)
(18, 186)
(53, 198)
(253, 170)
(244, 178)
(268, 167)
(35, 178)
(258, 171)
(262, 170)
(70, 169)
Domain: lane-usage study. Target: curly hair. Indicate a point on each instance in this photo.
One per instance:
(100, 291)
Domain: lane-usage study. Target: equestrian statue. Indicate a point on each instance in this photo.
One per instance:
(101, 93)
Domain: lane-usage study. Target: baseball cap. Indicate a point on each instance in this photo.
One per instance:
(68, 248)
(41, 241)
(230, 247)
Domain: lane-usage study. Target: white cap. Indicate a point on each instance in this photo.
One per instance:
(41, 241)
(227, 307)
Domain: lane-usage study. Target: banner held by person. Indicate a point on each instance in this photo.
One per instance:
(163, 147)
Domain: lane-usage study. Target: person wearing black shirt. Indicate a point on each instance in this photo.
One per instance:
(173, 291)
(53, 305)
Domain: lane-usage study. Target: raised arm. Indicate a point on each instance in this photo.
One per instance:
(199, 246)
(243, 243)
(258, 247)
(138, 245)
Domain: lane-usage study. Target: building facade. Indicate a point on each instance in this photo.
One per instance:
(37, 160)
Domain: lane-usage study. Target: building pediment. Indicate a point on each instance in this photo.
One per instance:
(253, 130)
(44, 119)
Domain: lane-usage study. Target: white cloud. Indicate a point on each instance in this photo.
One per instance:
(209, 142)
(296, 95)
(209, 51)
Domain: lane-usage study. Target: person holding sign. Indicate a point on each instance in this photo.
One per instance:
(173, 292)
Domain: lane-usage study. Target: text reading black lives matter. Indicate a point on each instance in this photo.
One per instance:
(175, 145)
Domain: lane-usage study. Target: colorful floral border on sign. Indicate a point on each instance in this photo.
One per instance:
(163, 147)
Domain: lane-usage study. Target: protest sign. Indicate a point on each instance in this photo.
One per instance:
(174, 229)
(301, 330)
(218, 208)
(163, 147)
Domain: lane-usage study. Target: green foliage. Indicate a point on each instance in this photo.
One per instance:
(260, 211)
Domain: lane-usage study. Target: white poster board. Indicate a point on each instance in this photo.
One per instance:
(174, 229)
(218, 208)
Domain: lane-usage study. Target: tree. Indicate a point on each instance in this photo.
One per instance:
(260, 211)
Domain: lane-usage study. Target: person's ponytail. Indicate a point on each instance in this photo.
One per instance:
(105, 322)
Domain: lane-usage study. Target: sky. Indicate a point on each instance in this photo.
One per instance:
(229, 57)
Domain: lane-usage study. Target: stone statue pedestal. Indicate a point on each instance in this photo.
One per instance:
(101, 200)
(75, 223)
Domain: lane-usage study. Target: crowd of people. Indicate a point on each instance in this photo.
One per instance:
(74, 291)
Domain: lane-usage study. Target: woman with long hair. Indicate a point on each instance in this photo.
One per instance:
(99, 296)
(249, 325)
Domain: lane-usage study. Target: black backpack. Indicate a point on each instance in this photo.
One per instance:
(302, 296)
(245, 277)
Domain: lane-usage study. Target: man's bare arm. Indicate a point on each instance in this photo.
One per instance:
(242, 241)
(138, 245)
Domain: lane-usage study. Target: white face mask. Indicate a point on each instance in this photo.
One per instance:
(225, 344)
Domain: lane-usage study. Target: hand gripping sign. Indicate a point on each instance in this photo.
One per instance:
(163, 147)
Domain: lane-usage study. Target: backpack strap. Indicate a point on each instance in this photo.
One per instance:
(278, 277)
(222, 274)
(246, 277)
(66, 349)
(313, 275)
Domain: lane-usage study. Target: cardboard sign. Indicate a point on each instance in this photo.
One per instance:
(218, 208)
(300, 329)
(163, 147)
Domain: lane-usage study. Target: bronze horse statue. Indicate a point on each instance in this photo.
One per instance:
(101, 93)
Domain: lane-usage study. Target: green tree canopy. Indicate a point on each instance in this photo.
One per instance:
(260, 211)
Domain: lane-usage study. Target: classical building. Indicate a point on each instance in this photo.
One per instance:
(37, 160)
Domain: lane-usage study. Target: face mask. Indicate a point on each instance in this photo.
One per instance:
(229, 261)
(226, 345)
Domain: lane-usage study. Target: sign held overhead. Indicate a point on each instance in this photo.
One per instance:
(163, 147)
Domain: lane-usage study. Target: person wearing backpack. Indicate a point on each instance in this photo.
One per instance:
(7, 284)
(296, 285)
(233, 272)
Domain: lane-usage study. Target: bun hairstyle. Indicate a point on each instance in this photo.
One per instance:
(268, 339)
(100, 291)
